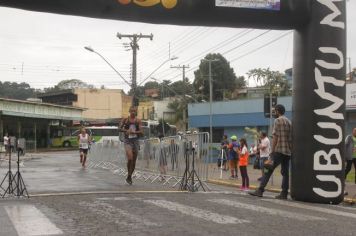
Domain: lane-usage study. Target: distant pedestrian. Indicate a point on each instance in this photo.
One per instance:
(281, 153)
(173, 151)
(243, 162)
(7, 144)
(162, 158)
(224, 153)
(12, 142)
(233, 156)
(350, 154)
(265, 149)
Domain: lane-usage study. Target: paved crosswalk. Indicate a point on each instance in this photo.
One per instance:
(312, 208)
(117, 215)
(269, 211)
(219, 209)
(28, 220)
(196, 212)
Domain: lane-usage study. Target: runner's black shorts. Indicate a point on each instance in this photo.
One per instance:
(83, 150)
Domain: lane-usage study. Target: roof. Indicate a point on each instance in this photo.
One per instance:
(61, 92)
(41, 103)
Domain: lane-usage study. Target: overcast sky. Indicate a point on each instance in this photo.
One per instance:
(43, 49)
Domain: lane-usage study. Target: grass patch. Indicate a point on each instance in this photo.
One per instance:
(351, 176)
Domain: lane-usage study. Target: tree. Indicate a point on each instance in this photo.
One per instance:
(69, 84)
(180, 88)
(240, 82)
(223, 76)
(178, 107)
(14, 90)
(73, 83)
(273, 81)
(165, 90)
(151, 85)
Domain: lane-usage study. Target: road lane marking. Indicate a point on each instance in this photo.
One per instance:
(270, 211)
(196, 212)
(115, 199)
(28, 221)
(309, 207)
(117, 215)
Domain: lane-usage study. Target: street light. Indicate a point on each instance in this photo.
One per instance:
(149, 76)
(90, 49)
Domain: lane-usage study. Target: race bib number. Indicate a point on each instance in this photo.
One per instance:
(83, 145)
(133, 129)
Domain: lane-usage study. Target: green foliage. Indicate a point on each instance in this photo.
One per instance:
(14, 90)
(252, 133)
(165, 88)
(178, 107)
(240, 82)
(273, 81)
(223, 77)
(151, 85)
(68, 84)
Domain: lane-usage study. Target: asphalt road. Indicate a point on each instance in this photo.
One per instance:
(153, 209)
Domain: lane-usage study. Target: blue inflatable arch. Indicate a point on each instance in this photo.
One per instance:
(318, 71)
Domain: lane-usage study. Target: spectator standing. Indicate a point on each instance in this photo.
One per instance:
(243, 162)
(224, 150)
(12, 143)
(350, 152)
(265, 149)
(233, 156)
(162, 158)
(7, 144)
(173, 153)
(281, 153)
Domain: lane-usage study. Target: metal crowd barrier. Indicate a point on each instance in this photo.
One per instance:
(30, 145)
(161, 161)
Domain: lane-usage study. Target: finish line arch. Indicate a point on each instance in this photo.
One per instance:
(319, 68)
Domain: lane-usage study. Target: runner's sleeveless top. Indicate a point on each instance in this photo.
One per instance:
(83, 141)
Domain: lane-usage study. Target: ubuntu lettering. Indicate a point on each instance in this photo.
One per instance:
(149, 3)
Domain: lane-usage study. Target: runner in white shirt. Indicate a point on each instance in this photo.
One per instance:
(83, 141)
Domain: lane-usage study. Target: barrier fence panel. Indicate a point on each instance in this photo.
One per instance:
(30, 145)
(159, 160)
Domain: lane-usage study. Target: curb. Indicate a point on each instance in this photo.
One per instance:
(229, 184)
(350, 201)
(104, 192)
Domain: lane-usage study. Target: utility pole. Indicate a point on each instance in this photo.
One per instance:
(134, 46)
(184, 92)
(210, 102)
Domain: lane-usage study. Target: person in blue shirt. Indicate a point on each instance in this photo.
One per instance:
(233, 156)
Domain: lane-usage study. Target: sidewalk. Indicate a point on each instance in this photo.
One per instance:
(216, 176)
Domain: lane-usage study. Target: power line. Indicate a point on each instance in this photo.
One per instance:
(264, 45)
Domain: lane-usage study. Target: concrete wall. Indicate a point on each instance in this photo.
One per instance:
(247, 112)
(101, 103)
(162, 107)
(145, 109)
